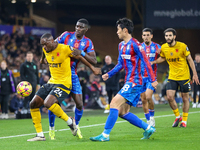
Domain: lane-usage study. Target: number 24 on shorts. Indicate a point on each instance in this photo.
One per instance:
(58, 92)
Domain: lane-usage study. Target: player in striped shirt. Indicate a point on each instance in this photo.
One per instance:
(152, 49)
(79, 41)
(131, 54)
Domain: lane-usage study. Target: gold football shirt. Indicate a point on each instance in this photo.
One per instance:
(59, 65)
(176, 58)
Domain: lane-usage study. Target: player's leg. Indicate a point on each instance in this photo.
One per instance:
(145, 107)
(76, 94)
(115, 104)
(185, 88)
(149, 93)
(171, 90)
(51, 125)
(35, 104)
(78, 112)
(134, 120)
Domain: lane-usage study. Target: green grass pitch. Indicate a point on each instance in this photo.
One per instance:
(124, 136)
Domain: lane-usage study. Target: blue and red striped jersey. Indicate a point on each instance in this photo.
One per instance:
(85, 44)
(130, 56)
(151, 52)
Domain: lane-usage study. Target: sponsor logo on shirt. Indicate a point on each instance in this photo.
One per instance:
(151, 55)
(126, 56)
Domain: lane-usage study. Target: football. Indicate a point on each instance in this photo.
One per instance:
(24, 88)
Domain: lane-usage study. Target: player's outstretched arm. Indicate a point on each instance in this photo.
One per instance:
(191, 63)
(105, 77)
(159, 60)
(90, 57)
(95, 70)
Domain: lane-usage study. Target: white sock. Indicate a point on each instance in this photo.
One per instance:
(184, 122)
(148, 127)
(178, 116)
(41, 134)
(51, 128)
(69, 121)
(105, 135)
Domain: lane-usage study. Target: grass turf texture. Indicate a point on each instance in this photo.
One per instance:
(123, 136)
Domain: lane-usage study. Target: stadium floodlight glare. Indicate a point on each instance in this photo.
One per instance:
(13, 1)
(33, 1)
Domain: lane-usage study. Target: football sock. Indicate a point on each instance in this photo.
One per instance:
(185, 117)
(41, 134)
(51, 118)
(110, 122)
(151, 111)
(36, 117)
(133, 119)
(64, 103)
(147, 116)
(176, 112)
(78, 115)
(57, 110)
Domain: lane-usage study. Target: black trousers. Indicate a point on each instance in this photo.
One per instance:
(4, 102)
(110, 93)
(196, 88)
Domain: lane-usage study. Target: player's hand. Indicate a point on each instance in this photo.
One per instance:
(76, 52)
(96, 71)
(43, 61)
(158, 51)
(195, 79)
(154, 84)
(151, 62)
(105, 77)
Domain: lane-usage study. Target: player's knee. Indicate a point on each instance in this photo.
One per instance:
(170, 98)
(32, 104)
(79, 106)
(47, 104)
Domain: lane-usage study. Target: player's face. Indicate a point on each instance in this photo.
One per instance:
(80, 29)
(47, 44)
(29, 57)
(169, 37)
(120, 32)
(147, 36)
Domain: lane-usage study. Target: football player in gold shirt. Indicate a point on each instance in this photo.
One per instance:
(58, 86)
(177, 54)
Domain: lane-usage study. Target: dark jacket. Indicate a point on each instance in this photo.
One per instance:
(16, 103)
(113, 82)
(6, 86)
(29, 72)
(197, 66)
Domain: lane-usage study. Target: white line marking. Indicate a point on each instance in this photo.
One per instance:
(94, 125)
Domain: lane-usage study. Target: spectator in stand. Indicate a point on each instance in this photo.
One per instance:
(121, 79)
(196, 86)
(7, 86)
(16, 103)
(29, 72)
(83, 78)
(112, 84)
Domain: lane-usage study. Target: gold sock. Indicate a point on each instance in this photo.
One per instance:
(185, 116)
(36, 117)
(57, 110)
(176, 112)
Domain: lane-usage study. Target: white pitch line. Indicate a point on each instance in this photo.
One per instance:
(94, 125)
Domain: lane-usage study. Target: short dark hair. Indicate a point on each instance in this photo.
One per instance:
(46, 35)
(83, 20)
(125, 23)
(29, 52)
(147, 30)
(170, 30)
(197, 54)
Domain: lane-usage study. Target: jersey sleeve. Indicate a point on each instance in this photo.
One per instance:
(90, 47)
(61, 38)
(141, 53)
(68, 50)
(186, 50)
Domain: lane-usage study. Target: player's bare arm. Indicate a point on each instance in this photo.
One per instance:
(159, 60)
(43, 60)
(191, 63)
(91, 57)
(76, 52)
(95, 70)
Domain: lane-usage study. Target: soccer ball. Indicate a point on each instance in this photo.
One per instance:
(24, 88)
